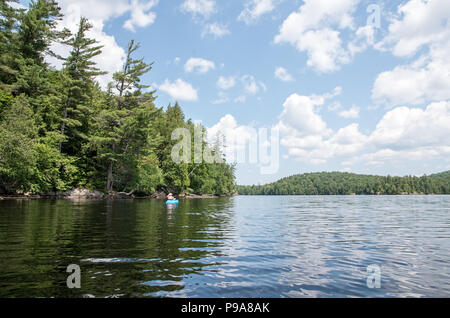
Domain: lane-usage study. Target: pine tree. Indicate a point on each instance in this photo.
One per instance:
(29, 34)
(37, 29)
(122, 127)
(8, 27)
(130, 77)
(176, 175)
(79, 74)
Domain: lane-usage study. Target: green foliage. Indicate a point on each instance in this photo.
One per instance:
(336, 183)
(6, 100)
(59, 130)
(17, 147)
(148, 176)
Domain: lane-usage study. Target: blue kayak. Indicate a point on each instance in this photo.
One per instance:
(171, 202)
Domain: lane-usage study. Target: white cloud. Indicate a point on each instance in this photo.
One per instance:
(409, 128)
(256, 8)
(319, 149)
(201, 11)
(419, 27)
(310, 30)
(140, 15)
(200, 65)
(220, 101)
(204, 8)
(225, 83)
(251, 86)
(402, 134)
(222, 98)
(364, 38)
(353, 112)
(300, 117)
(283, 75)
(420, 154)
(418, 23)
(216, 30)
(179, 90)
(335, 106)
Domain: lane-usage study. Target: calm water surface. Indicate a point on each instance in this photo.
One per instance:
(231, 247)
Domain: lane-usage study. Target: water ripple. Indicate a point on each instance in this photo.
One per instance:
(260, 246)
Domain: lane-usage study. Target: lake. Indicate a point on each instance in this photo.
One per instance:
(261, 246)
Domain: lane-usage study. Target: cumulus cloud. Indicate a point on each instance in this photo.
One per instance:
(353, 112)
(300, 117)
(314, 29)
(409, 128)
(255, 8)
(418, 23)
(216, 30)
(420, 27)
(225, 83)
(179, 90)
(202, 11)
(221, 100)
(283, 75)
(318, 149)
(381, 157)
(204, 8)
(247, 84)
(200, 65)
(403, 133)
(140, 15)
(251, 86)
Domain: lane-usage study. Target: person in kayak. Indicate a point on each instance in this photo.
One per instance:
(171, 197)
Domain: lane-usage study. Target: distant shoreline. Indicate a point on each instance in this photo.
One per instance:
(339, 195)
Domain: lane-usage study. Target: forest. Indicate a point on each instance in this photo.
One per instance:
(337, 183)
(60, 130)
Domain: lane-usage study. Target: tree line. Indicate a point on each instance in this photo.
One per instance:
(337, 183)
(60, 130)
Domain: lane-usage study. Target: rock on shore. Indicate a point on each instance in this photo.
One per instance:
(79, 194)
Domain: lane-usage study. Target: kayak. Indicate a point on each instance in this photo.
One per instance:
(172, 202)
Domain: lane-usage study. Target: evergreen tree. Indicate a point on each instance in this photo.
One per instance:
(123, 126)
(78, 75)
(60, 130)
(8, 27)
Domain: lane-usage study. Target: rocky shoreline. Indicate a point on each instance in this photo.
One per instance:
(84, 194)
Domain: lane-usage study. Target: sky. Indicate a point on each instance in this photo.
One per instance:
(350, 85)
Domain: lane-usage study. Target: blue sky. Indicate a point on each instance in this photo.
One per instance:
(347, 93)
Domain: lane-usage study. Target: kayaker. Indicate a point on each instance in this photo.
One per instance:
(170, 197)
